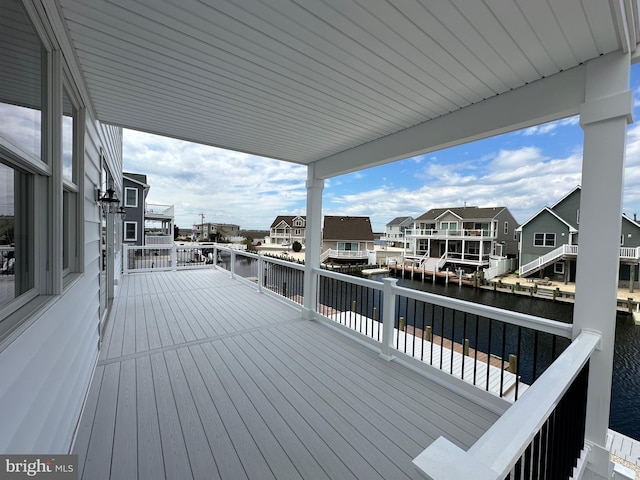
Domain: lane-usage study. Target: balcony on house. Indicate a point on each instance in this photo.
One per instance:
(217, 371)
(454, 233)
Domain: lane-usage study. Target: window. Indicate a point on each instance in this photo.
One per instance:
(298, 223)
(506, 228)
(71, 151)
(449, 225)
(130, 197)
(130, 231)
(298, 232)
(558, 268)
(22, 167)
(544, 240)
(578, 217)
(348, 246)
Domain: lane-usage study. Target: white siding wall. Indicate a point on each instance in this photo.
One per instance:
(45, 372)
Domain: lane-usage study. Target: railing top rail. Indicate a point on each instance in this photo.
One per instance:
(506, 316)
(532, 410)
(491, 457)
(349, 278)
(280, 261)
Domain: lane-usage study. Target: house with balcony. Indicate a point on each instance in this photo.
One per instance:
(394, 235)
(549, 242)
(144, 223)
(286, 229)
(347, 239)
(216, 232)
(462, 237)
(262, 368)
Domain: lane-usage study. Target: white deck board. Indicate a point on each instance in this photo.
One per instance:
(201, 376)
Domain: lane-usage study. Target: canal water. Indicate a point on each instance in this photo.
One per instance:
(625, 394)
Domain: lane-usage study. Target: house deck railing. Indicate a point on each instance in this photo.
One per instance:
(158, 211)
(471, 234)
(478, 348)
(549, 439)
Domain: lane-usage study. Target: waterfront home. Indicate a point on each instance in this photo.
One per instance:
(286, 229)
(462, 237)
(306, 385)
(394, 235)
(144, 223)
(549, 242)
(347, 239)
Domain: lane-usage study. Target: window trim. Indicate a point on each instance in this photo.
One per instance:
(126, 197)
(545, 243)
(124, 232)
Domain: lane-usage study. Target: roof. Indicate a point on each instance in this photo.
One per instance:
(345, 84)
(347, 228)
(400, 221)
(288, 219)
(137, 178)
(465, 213)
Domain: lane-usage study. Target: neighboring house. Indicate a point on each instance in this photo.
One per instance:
(144, 223)
(287, 229)
(463, 236)
(549, 242)
(346, 238)
(394, 235)
(135, 194)
(216, 232)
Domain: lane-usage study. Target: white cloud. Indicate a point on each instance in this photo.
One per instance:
(228, 187)
(550, 128)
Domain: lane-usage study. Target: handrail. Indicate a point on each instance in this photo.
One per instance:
(491, 457)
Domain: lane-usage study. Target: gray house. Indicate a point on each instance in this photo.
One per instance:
(549, 242)
(394, 235)
(464, 236)
(135, 194)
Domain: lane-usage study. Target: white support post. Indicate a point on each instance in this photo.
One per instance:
(125, 259)
(215, 257)
(232, 267)
(313, 241)
(388, 317)
(603, 116)
(261, 271)
(174, 257)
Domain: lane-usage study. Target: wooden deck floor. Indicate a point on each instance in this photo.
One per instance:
(201, 376)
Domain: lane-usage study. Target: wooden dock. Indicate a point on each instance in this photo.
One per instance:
(438, 353)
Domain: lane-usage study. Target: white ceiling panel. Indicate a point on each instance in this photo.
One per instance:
(301, 80)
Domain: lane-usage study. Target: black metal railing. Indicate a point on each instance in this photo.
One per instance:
(555, 449)
(353, 305)
(148, 258)
(495, 355)
(283, 279)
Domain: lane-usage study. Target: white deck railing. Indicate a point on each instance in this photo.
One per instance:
(470, 234)
(626, 253)
(491, 457)
(344, 254)
(498, 451)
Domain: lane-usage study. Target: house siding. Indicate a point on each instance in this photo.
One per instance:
(510, 248)
(543, 223)
(46, 370)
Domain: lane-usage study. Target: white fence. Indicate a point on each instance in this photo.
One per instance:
(499, 267)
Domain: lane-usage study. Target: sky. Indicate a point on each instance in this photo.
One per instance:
(524, 170)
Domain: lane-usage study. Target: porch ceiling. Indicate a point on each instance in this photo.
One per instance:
(303, 80)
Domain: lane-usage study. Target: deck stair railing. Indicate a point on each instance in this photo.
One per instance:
(548, 259)
(549, 439)
(626, 253)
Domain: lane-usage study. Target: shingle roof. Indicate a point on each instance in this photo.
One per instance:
(347, 228)
(288, 219)
(466, 213)
(399, 221)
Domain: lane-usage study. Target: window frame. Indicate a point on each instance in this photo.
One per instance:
(124, 231)
(126, 197)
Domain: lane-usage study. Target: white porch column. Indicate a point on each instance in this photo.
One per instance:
(604, 116)
(314, 239)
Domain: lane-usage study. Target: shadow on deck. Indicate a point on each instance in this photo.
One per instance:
(201, 376)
